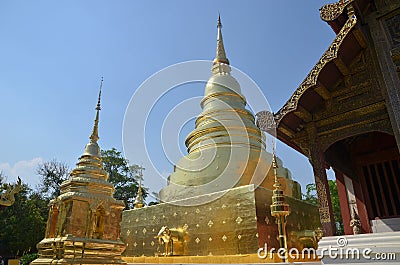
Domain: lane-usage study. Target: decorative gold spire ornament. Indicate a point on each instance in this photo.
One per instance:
(139, 198)
(95, 133)
(279, 209)
(220, 55)
(84, 220)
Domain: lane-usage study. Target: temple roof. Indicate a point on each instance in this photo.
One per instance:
(332, 67)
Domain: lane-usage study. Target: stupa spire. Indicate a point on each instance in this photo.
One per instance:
(220, 56)
(94, 137)
(277, 185)
(92, 148)
(139, 198)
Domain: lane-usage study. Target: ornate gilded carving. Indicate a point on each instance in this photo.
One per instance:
(7, 198)
(265, 121)
(311, 79)
(393, 30)
(355, 222)
(369, 126)
(279, 208)
(318, 164)
(330, 12)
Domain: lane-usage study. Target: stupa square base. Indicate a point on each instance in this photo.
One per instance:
(231, 222)
(73, 250)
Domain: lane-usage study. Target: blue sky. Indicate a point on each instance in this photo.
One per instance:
(54, 53)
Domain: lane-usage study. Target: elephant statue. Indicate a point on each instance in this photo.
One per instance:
(167, 236)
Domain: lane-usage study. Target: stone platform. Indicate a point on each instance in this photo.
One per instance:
(374, 248)
(228, 259)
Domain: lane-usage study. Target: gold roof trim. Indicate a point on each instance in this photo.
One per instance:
(311, 80)
(331, 12)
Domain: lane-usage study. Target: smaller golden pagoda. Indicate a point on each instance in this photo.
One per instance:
(139, 202)
(83, 226)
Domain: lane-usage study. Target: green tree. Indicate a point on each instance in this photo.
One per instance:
(22, 225)
(52, 174)
(311, 197)
(122, 176)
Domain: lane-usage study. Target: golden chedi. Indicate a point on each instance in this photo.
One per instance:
(217, 201)
(226, 149)
(83, 226)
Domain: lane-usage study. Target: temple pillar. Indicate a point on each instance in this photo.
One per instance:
(351, 198)
(321, 182)
(362, 208)
(344, 202)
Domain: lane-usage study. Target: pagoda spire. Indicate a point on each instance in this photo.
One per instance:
(139, 198)
(92, 148)
(276, 185)
(220, 54)
(94, 137)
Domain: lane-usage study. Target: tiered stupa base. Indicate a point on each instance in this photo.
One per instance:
(74, 250)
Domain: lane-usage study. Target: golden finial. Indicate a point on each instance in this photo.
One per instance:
(94, 137)
(221, 55)
(219, 25)
(277, 185)
(98, 100)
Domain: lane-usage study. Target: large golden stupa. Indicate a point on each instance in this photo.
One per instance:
(217, 200)
(226, 149)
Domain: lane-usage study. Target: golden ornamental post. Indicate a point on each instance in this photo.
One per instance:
(279, 209)
(139, 203)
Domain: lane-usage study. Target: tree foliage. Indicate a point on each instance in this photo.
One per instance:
(311, 197)
(122, 176)
(52, 174)
(22, 225)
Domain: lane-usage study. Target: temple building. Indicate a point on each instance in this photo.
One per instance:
(217, 200)
(83, 226)
(345, 115)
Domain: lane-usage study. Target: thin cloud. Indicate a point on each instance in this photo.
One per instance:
(25, 169)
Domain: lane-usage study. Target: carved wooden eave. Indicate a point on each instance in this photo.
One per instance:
(331, 69)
